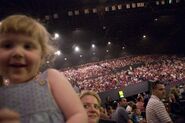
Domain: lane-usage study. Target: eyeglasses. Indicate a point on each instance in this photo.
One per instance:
(90, 105)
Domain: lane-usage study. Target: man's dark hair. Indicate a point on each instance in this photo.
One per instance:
(154, 84)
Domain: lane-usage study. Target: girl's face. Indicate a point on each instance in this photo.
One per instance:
(20, 57)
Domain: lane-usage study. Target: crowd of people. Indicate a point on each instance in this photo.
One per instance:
(118, 73)
(160, 106)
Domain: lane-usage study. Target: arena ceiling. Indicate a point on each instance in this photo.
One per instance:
(163, 24)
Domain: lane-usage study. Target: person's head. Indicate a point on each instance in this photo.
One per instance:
(158, 89)
(172, 97)
(114, 105)
(24, 45)
(123, 102)
(131, 103)
(140, 99)
(136, 110)
(110, 110)
(91, 102)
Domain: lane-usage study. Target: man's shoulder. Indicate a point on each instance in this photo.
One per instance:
(152, 103)
(153, 100)
(120, 109)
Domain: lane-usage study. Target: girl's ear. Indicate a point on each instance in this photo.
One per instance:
(43, 58)
(42, 63)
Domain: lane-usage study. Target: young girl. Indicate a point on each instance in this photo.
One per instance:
(46, 97)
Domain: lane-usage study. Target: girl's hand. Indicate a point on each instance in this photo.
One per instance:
(9, 116)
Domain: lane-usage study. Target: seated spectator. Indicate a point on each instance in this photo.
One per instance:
(136, 115)
(92, 104)
(121, 115)
(129, 106)
(140, 105)
(103, 113)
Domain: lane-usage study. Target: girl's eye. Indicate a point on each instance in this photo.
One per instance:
(7, 45)
(28, 46)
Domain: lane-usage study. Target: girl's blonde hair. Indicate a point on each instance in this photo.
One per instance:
(91, 93)
(23, 24)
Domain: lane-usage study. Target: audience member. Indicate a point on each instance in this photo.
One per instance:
(136, 116)
(155, 109)
(92, 104)
(121, 115)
